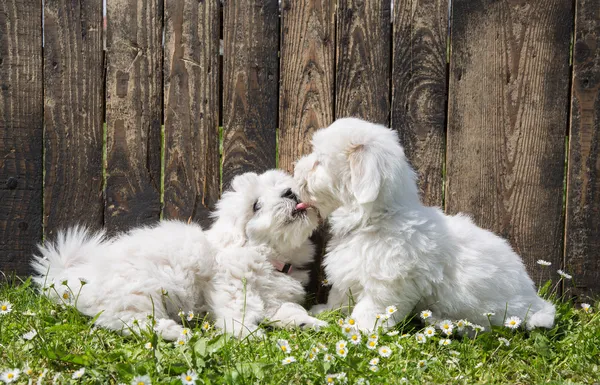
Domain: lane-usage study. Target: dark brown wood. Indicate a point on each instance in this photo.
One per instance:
(509, 71)
(419, 90)
(582, 252)
(133, 112)
(191, 76)
(307, 90)
(363, 60)
(73, 114)
(307, 75)
(250, 82)
(21, 132)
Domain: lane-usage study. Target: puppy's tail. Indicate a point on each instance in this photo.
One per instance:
(70, 248)
(544, 317)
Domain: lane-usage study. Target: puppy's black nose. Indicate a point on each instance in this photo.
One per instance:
(289, 194)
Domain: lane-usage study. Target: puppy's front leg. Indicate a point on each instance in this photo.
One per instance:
(369, 306)
(291, 314)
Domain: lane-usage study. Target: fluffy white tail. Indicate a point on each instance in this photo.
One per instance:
(70, 247)
(542, 318)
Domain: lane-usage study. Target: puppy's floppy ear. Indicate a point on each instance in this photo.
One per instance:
(364, 173)
(244, 181)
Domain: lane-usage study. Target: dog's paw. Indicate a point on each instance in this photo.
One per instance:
(168, 329)
(314, 324)
(318, 309)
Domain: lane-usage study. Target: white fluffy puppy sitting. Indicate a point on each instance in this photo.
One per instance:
(389, 249)
(229, 271)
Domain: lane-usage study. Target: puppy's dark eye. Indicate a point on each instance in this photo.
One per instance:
(256, 206)
(289, 194)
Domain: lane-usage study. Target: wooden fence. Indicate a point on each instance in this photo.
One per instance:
(497, 115)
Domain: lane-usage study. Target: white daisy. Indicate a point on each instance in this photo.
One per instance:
(445, 342)
(374, 368)
(405, 335)
(512, 322)
(330, 379)
(362, 381)
(477, 328)
(543, 263)
(205, 326)
(393, 333)
(148, 345)
(311, 356)
(420, 337)
(354, 338)
(422, 364)
(489, 314)
(341, 344)
(186, 333)
(41, 376)
(504, 341)
(141, 380)
(288, 360)
(586, 307)
(314, 349)
(27, 370)
(78, 374)
(426, 314)
(391, 310)
(5, 307)
(342, 352)
(342, 376)
(189, 378)
(382, 317)
(461, 324)
(563, 274)
(325, 282)
(429, 331)
(190, 315)
(446, 327)
(341, 322)
(66, 296)
(182, 340)
(284, 346)
(374, 361)
(30, 335)
(10, 375)
(350, 321)
(181, 314)
(322, 347)
(371, 344)
(327, 357)
(385, 351)
(348, 329)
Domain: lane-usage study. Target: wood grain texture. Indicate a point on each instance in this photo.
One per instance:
(73, 115)
(250, 82)
(133, 112)
(419, 90)
(509, 71)
(363, 52)
(307, 75)
(21, 132)
(582, 252)
(191, 107)
(306, 96)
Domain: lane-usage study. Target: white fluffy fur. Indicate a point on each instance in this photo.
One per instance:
(225, 271)
(389, 249)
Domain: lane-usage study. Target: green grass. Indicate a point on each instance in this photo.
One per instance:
(67, 341)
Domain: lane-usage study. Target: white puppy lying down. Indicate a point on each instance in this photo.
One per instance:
(389, 249)
(229, 271)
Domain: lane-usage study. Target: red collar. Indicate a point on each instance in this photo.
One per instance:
(285, 268)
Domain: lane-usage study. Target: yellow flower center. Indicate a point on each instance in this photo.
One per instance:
(4, 307)
(330, 380)
(10, 376)
(342, 351)
(184, 331)
(66, 295)
(188, 378)
(181, 342)
(29, 372)
(284, 348)
(141, 383)
(351, 322)
(354, 337)
(372, 343)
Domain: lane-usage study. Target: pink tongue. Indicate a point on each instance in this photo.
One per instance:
(302, 206)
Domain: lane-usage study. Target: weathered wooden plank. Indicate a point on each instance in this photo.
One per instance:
(582, 255)
(250, 82)
(133, 112)
(21, 132)
(419, 90)
(191, 107)
(307, 89)
(509, 71)
(73, 114)
(363, 60)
